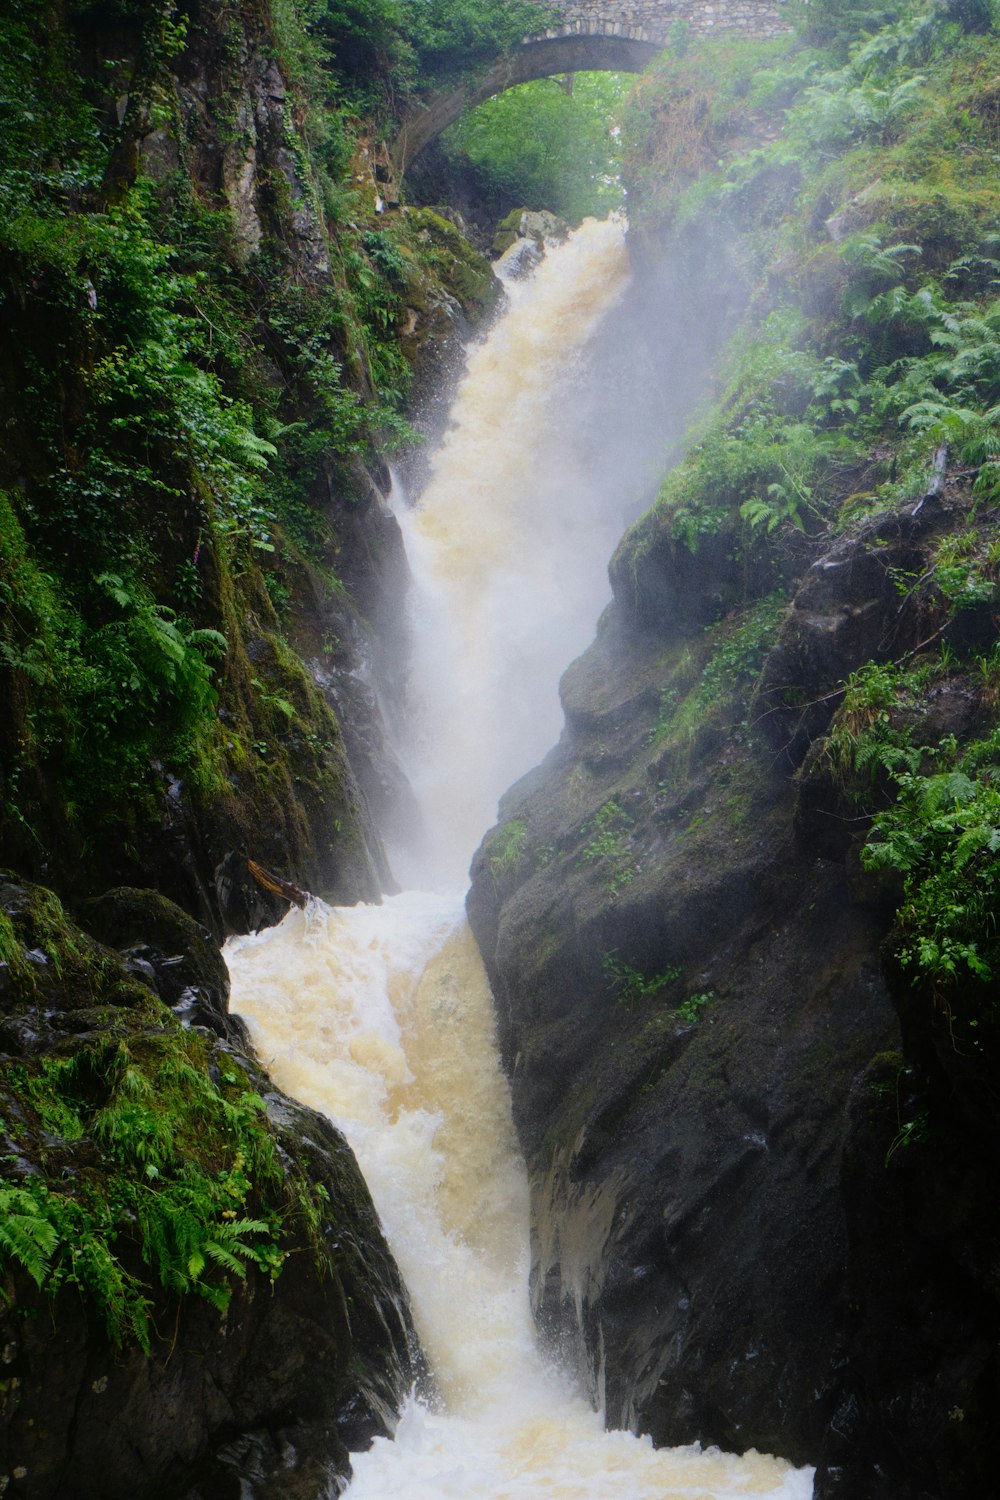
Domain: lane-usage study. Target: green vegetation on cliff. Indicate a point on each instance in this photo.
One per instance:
(204, 327)
(209, 334)
(777, 784)
(382, 50)
(138, 1159)
(867, 373)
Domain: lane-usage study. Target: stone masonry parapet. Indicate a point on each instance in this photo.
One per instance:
(607, 35)
(654, 20)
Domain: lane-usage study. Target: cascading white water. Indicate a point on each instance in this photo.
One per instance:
(508, 549)
(382, 1016)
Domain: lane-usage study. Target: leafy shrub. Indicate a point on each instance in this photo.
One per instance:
(608, 847)
(450, 35)
(838, 23)
(158, 1121)
(505, 849)
(943, 836)
(742, 653)
(867, 735)
(690, 1011)
(383, 49)
(141, 1147)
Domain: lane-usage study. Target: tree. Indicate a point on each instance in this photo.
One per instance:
(546, 146)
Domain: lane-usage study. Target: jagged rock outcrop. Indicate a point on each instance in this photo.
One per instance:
(262, 1398)
(713, 1057)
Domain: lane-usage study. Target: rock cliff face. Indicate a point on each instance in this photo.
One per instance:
(194, 282)
(732, 1239)
(252, 1383)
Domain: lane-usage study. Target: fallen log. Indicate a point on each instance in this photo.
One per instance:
(277, 885)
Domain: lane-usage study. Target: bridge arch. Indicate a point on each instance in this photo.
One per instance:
(597, 36)
(538, 57)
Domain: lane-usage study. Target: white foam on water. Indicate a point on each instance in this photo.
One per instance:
(508, 549)
(381, 1017)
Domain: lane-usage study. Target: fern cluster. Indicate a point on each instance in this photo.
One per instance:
(629, 986)
(943, 835)
(189, 1182)
(941, 831)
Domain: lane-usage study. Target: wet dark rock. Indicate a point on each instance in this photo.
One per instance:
(262, 1403)
(720, 1074)
(171, 952)
(245, 905)
(684, 1182)
(848, 610)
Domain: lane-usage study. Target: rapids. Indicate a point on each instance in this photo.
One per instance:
(508, 550)
(381, 1016)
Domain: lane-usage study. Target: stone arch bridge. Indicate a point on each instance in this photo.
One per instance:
(609, 36)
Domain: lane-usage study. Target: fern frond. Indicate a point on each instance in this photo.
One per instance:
(224, 1255)
(25, 1233)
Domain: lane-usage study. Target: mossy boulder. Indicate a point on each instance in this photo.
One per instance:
(449, 290)
(529, 224)
(197, 1291)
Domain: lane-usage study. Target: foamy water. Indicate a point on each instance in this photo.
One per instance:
(382, 1018)
(508, 547)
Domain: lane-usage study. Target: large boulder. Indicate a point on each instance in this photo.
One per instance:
(136, 1358)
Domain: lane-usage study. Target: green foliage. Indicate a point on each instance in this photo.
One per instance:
(174, 420)
(964, 569)
(974, 15)
(709, 687)
(682, 118)
(26, 1235)
(774, 443)
(109, 692)
(943, 835)
(546, 147)
(49, 139)
(629, 986)
(690, 1012)
(869, 734)
(140, 1146)
(505, 849)
(911, 364)
(868, 31)
(951, 392)
(362, 42)
(182, 1157)
(912, 1132)
(607, 835)
(155, 656)
(381, 51)
(741, 655)
(838, 23)
(449, 36)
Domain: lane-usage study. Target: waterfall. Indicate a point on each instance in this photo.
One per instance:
(508, 549)
(381, 1016)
